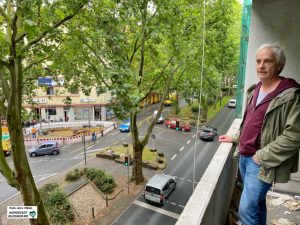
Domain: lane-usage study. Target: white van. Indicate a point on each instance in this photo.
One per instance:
(159, 187)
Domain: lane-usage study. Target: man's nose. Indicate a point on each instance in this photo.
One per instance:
(260, 64)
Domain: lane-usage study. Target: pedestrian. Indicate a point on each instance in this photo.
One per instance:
(33, 132)
(269, 136)
(94, 136)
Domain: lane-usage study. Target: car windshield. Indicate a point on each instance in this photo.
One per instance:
(153, 190)
(206, 131)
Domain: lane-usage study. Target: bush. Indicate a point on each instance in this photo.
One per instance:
(73, 175)
(92, 173)
(103, 182)
(56, 204)
(195, 108)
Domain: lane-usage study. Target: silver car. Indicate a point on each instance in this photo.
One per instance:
(45, 148)
(159, 187)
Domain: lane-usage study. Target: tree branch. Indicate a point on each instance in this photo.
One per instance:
(56, 25)
(6, 17)
(166, 91)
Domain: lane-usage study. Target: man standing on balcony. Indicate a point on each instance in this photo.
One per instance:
(269, 138)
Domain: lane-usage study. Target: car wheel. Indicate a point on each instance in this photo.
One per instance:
(33, 154)
(174, 187)
(55, 153)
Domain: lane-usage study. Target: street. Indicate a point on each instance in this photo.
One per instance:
(178, 148)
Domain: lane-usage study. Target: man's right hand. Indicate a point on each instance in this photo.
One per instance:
(225, 138)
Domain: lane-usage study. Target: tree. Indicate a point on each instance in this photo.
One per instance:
(129, 50)
(30, 34)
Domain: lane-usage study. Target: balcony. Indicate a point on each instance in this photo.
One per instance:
(210, 201)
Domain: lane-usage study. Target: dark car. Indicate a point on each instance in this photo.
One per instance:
(45, 148)
(208, 133)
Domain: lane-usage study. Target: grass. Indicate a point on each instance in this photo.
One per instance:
(212, 111)
(147, 154)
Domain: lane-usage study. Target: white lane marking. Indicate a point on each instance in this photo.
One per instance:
(115, 133)
(189, 180)
(181, 206)
(194, 136)
(66, 146)
(189, 141)
(159, 210)
(181, 148)
(9, 198)
(46, 176)
(174, 156)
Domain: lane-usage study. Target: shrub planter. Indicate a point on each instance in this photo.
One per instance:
(160, 154)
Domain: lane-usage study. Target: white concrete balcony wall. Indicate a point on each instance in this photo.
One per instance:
(210, 201)
(276, 21)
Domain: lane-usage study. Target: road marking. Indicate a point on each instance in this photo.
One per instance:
(115, 133)
(181, 148)
(159, 210)
(189, 141)
(181, 206)
(194, 136)
(174, 156)
(66, 146)
(46, 176)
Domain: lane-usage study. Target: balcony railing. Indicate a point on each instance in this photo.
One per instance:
(210, 201)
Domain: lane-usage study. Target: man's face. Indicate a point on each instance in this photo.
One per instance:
(266, 66)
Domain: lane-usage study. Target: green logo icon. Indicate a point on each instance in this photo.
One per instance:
(32, 214)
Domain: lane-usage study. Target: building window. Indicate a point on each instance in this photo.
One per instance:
(51, 111)
(50, 90)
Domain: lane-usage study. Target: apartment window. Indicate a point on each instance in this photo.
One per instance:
(51, 111)
(50, 90)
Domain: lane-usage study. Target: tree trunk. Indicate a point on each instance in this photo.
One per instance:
(137, 169)
(23, 175)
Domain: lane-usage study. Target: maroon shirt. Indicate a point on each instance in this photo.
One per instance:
(249, 141)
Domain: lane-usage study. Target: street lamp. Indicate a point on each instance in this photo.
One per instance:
(201, 85)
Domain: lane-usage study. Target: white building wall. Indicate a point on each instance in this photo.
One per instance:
(276, 21)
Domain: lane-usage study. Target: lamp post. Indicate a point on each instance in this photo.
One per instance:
(201, 82)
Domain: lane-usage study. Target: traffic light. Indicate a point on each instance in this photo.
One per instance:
(126, 161)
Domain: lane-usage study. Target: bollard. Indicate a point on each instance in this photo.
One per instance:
(93, 212)
(106, 201)
(101, 133)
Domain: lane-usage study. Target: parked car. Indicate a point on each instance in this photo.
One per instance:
(232, 103)
(45, 148)
(159, 187)
(125, 126)
(208, 133)
(161, 118)
(178, 125)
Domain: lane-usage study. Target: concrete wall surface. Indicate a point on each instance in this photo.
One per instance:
(276, 21)
(210, 201)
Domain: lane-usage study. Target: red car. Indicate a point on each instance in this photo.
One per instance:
(178, 125)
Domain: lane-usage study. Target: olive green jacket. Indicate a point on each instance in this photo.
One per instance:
(280, 137)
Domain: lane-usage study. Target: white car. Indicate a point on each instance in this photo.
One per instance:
(232, 103)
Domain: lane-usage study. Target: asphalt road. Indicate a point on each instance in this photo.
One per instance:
(180, 149)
